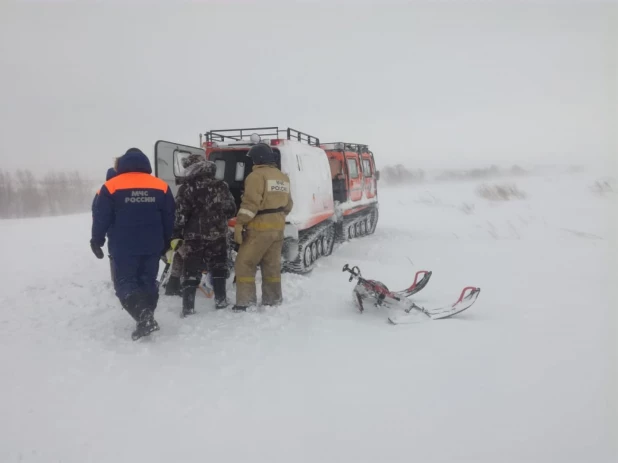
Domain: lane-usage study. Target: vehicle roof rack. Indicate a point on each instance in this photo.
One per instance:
(244, 134)
(342, 145)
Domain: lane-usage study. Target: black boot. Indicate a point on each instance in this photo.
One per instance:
(146, 304)
(218, 283)
(146, 325)
(188, 299)
(173, 287)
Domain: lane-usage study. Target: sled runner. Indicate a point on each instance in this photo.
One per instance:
(205, 285)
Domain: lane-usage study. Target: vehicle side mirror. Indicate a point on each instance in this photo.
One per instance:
(377, 175)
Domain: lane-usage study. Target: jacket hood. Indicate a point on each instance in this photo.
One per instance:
(134, 161)
(191, 159)
(202, 168)
(111, 173)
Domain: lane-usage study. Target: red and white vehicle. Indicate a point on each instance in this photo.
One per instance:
(333, 185)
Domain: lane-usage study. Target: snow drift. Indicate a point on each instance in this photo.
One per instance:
(524, 375)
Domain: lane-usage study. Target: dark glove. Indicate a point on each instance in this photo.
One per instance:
(97, 250)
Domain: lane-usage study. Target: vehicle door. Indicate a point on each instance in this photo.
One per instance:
(355, 178)
(168, 162)
(369, 177)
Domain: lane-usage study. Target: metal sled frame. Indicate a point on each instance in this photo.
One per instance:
(383, 297)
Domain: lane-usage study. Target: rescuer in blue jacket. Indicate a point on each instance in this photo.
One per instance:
(139, 208)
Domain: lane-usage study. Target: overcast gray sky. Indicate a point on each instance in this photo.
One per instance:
(423, 84)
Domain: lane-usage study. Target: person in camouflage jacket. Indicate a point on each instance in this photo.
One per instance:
(203, 207)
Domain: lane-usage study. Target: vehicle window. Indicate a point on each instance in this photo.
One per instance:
(335, 168)
(240, 172)
(353, 168)
(220, 163)
(366, 167)
(179, 171)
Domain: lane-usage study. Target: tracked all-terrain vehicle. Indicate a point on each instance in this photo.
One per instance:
(333, 185)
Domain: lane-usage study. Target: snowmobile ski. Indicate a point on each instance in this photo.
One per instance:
(409, 315)
(417, 286)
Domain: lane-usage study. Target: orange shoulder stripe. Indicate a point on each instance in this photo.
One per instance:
(132, 180)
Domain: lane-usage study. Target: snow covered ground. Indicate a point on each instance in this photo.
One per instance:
(526, 374)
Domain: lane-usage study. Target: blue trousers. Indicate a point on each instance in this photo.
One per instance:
(136, 275)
